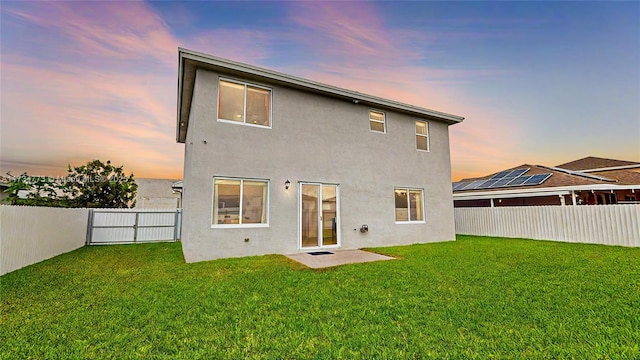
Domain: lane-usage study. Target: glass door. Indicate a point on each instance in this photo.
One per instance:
(310, 214)
(319, 215)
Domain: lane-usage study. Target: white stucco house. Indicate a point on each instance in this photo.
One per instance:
(157, 194)
(280, 164)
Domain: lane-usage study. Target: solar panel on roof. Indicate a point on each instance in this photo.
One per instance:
(518, 172)
(464, 184)
(536, 179)
(500, 175)
(509, 173)
(519, 180)
(473, 185)
(502, 182)
(503, 179)
(460, 184)
(488, 183)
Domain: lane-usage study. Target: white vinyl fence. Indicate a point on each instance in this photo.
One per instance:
(127, 226)
(30, 234)
(596, 224)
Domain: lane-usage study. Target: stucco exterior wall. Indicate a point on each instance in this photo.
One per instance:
(313, 139)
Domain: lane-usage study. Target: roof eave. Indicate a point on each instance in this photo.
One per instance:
(578, 173)
(179, 138)
(559, 190)
(612, 168)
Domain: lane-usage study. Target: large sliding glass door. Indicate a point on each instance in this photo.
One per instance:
(319, 215)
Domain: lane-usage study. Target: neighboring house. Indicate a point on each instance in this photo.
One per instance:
(592, 164)
(588, 181)
(157, 194)
(279, 164)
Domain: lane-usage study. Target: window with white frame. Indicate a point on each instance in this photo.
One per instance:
(244, 103)
(377, 121)
(409, 205)
(422, 135)
(240, 202)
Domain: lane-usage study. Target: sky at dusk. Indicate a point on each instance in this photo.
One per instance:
(538, 82)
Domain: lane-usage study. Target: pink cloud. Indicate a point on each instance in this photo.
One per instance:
(97, 80)
(101, 80)
(104, 29)
(107, 91)
(249, 46)
(353, 48)
(347, 25)
(78, 117)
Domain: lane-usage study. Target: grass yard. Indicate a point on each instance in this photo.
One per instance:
(473, 298)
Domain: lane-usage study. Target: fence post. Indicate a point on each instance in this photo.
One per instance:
(135, 229)
(89, 227)
(175, 225)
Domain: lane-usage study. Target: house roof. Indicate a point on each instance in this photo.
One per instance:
(592, 163)
(623, 177)
(616, 175)
(189, 61)
(558, 178)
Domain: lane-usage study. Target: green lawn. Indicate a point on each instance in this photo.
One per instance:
(473, 298)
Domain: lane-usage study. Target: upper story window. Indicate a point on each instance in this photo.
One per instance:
(422, 135)
(244, 103)
(240, 202)
(377, 121)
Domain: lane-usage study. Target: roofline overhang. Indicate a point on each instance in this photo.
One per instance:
(578, 173)
(560, 190)
(180, 138)
(209, 61)
(611, 168)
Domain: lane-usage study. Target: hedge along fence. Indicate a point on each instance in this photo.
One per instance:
(596, 224)
(30, 234)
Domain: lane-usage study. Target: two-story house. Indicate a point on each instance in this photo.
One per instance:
(280, 164)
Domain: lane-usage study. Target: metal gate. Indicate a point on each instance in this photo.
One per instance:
(130, 226)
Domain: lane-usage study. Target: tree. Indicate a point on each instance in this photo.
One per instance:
(100, 185)
(34, 191)
(94, 185)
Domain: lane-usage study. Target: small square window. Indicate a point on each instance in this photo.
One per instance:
(377, 122)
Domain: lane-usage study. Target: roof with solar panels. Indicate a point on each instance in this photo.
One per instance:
(529, 177)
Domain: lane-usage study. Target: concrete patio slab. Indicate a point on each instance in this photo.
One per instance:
(339, 257)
